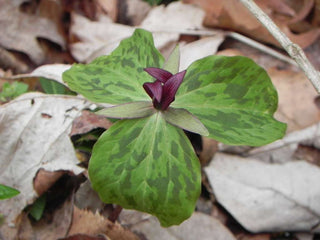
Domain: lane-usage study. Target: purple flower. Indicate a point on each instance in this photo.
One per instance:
(164, 89)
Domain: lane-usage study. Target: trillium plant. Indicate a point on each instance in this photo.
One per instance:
(145, 160)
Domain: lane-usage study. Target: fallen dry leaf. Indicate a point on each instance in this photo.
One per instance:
(307, 153)
(231, 14)
(168, 22)
(296, 99)
(54, 225)
(312, 52)
(265, 197)
(87, 122)
(209, 148)
(283, 150)
(199, 49)
(85, 237)
(262, 236)
(87, 198)
(85, 222)
(45, 179)
(34, 132)
(50, 71)
(110, 7)
(176, 17)
(133, 11)
(198, 226)
(9, 61)
(22, 30)
(96, 38)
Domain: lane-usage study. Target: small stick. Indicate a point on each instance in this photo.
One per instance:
(292, 49)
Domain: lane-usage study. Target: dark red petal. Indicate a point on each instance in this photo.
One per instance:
(170, 89)
(154, 90)
(159, 74)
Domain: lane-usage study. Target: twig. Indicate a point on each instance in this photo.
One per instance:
(292, 49)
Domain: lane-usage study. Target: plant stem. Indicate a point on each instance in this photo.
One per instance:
(115, 213)
(292, 49)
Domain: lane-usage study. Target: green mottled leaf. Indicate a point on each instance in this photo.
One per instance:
(7, 192)
(234, 98)
(117, 78)
(183, 119)
(173, 61)
(148, 165)
(128, 110)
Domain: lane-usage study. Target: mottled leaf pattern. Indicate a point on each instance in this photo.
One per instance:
(234, 98)
(117, 78)
(148, 165)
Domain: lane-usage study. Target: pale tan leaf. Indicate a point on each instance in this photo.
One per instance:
(96, 38)
(198, 226)
(20, 30)
(34, 132)
(50, 71)
(85, 222)
(267, 197)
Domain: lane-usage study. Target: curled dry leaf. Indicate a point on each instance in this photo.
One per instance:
(87, 198)
(134, 11)
(209, 148)
(199, 226)
(21, 30)
(85, 237)
(231, 14)
(267, 197)
(177, 17)
(54, 225)
(50, 71)
(34, 132)
(96, 38)
(85, 222)
(110, 7)
(296, 99)
(51, 226)
(284, 149)
(167, 23)
(199, 49)
(44, 180)
(87, 122)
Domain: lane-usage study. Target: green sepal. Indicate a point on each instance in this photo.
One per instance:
(117, 78)
(181, 118)
(148, 165)
(128, 110)
(234, 98)
(173, 62)
(7, 192)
